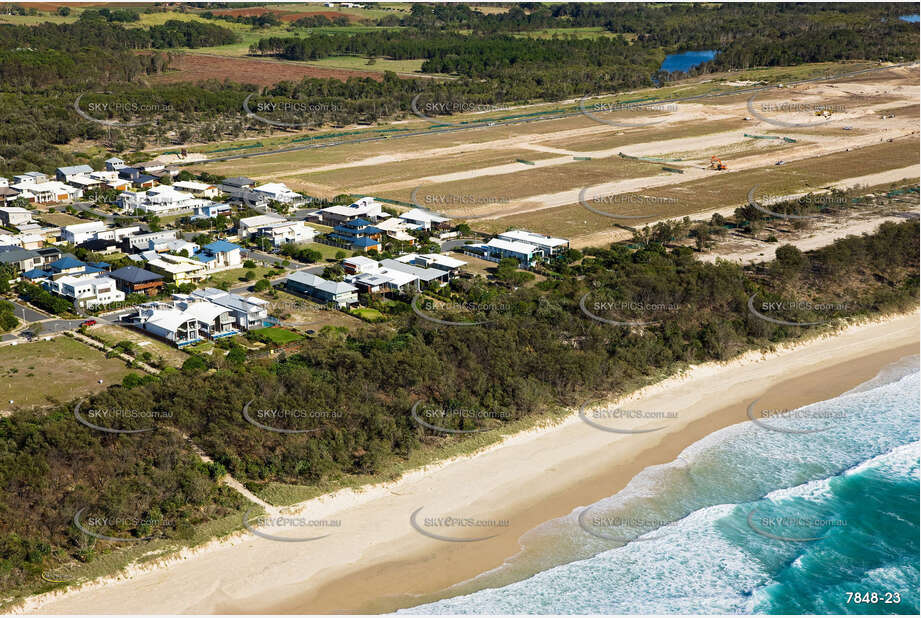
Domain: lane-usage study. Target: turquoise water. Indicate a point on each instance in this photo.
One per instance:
(686, 60)
(849, 496)
(912, 18)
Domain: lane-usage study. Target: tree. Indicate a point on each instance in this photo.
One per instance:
(250, 275)
(249, 264)
(262, 285)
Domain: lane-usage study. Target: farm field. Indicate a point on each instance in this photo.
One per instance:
(43, 373)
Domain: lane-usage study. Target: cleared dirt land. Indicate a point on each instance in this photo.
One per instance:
(872, 129)
(200, 67)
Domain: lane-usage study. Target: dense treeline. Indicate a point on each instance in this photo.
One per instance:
(539, 353)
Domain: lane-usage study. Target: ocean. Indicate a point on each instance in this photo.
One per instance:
(754, 518)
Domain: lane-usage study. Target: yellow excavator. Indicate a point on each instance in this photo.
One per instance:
(716, 164)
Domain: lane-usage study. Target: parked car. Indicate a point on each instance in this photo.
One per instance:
(88, 323)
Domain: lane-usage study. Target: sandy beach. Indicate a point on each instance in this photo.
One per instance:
(375, 561)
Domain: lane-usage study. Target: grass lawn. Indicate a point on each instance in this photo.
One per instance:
(236, 276)
(59, 219)
(368, 314)
(361, 63)
(278, 335)
(43, 373)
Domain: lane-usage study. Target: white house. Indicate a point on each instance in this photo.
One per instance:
(365, 208)
(549, 244)
(250, 225)
(280, 193)
(64, 174)
(82, 232)
(141, 242)
(198, 189)
(424, 219)
(15, 216)
(114, 163)
(160, 200)
(285, 232)
(49, 191)
(177, 268)
(89, 290)
(219, 255)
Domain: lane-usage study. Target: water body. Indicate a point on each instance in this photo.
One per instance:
(687, 60)
(859, 475)
(912, 18)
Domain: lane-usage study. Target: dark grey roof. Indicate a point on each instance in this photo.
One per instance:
(133, 274)
(12, 255)
(238, 181)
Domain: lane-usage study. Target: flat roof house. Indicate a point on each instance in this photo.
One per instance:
(237, 186)
(432, 260)
(178, 269)
(50, 191)
(497, 249)
(280, 192)
(64, 174)
(365, 208)
(549, 244)
(81, 232)
(425, 219)
(328, 292)
(114, 163)
(15, 216)
(284, 232)
(89, 291)
(141, 242)
(198, 189)
(134, 280)
(250, 225)
(424, 276)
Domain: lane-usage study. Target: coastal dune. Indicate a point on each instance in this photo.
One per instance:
(375, 560)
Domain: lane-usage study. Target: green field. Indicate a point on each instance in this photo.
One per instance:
(278, 335)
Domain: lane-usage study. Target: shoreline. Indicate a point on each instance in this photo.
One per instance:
(378, 563)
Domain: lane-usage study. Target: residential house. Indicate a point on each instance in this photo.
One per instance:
(19, 259)
(548, 244)
(425, 220)
(30, 178)
(237, 187)
(134, 280)
(15, 216)
(137, 178)
(211, 210)
(198, 189)
(113, 164)
(248, 312)
(279, 192)
(337, 293)
(365, 208)
(161, 200)
(284, 232)
(433, 260)
(249, 226)
(359, 264)
(64, 174)
(219, 255)
(49, 191)
(498, 249)
(90, 290)
(178, 269)
(81, 232)
(358, 234)
(424, 276)
(141, 242)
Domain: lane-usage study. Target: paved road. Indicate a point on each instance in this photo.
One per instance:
(27, 314)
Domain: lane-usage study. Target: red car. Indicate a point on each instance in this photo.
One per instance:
(88, 323)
